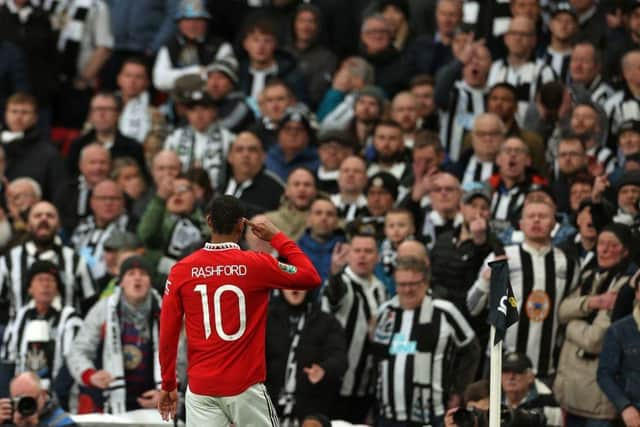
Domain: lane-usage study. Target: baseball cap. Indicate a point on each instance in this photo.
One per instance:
(119, 240)
(383, 180)
(564, 7)
(336, 135)
(185, 85)
(475, 189)
(192, 9)
(42, 266)
(135, 261)
(516, 362)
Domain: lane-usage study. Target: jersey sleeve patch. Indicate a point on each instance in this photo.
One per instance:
(287, 268)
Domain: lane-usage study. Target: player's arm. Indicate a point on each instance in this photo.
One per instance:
(299, 273)
(170, 326)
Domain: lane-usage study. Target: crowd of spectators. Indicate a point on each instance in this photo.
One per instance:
(401, 143)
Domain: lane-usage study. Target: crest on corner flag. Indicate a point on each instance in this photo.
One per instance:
(503, 307)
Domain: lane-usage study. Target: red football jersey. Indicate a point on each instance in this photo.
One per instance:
(223, 293)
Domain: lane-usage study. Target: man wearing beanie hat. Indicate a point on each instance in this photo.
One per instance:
(627, 198)
(40, 336)
(191, 48)
(126, 323)
(333, 147)
(222, 84)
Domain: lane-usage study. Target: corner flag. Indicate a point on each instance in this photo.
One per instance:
(503, 308)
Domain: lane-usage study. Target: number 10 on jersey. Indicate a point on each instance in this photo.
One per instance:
(217, 311)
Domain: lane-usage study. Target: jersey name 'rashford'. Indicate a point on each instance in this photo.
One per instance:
(219, 270)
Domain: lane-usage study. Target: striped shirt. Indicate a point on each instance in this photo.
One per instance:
(464, 105)
(558, 61)
(415, 350)
(477, 171)
(354, 301)
(540, 279)
(349, 211)
(46, 359)
(77, 282)
(600, 91)
(604, 156)
(620, 107)
(526, 79)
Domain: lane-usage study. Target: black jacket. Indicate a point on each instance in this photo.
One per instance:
(38, 43)
(122, 147)
(263, 195)
(322, 341)
(13, 73)
(391, 70)
(37, 158)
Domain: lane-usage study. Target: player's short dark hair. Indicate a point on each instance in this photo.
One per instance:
(225, 213)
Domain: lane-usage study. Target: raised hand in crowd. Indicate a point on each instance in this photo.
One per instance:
(339, 257)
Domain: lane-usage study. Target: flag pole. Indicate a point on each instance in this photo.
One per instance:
(495, 383)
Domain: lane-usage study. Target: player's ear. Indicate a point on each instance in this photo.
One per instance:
(209, 221)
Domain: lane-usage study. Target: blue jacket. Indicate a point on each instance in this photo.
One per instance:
(277, 164)
(618, 370)
(320, 252)
(142, 25)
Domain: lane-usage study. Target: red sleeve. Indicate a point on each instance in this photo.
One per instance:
(298, 274)
(170, 326)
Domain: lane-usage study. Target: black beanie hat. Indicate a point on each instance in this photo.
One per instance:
(622, 232)
(135, 261)
(41, 266)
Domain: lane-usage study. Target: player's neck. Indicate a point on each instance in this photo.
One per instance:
(224, 238)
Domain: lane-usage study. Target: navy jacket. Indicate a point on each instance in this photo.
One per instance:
(320, 252)
(618, 370)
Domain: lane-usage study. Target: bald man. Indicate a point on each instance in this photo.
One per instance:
(107, 214)
(72, 199)
(256, 187)
(48, 412)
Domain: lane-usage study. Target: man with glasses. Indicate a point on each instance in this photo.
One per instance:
(518, 68)
(571, 161)
(511, 184)
(425, 350)
(107, 214)
(171, 223)
(479, 163)
(445, 215)
(104, 113)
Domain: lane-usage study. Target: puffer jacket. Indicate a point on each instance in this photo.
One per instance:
(576, 387)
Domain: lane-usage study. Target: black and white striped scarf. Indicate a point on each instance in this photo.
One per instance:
(287, 398)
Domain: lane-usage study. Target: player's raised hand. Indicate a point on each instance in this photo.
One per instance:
(263, 228)
(168, 404)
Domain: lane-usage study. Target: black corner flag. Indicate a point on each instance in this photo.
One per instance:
(503, 308)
